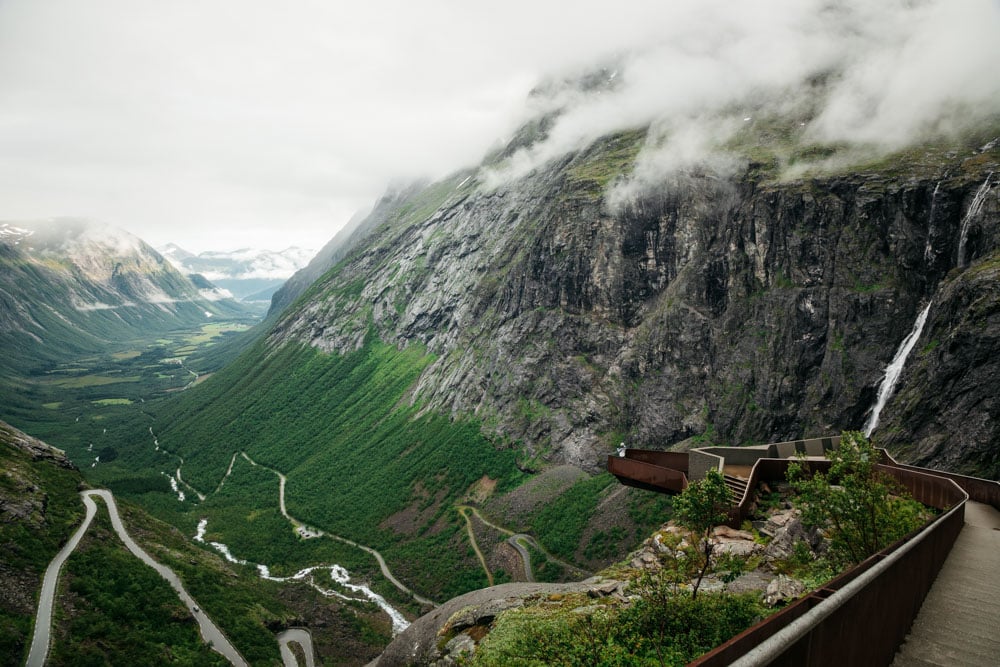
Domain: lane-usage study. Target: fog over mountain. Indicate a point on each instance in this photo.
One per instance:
(194, 123)
(877, 77)
(248, 273)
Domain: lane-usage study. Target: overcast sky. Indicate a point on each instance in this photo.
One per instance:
(217, 124)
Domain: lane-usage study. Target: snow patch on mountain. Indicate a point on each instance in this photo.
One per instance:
(12, 234)
(242, 264)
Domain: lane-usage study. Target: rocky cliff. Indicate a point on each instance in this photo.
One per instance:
(743, 309)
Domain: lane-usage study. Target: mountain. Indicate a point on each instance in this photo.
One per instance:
(356, 229)
(110, 608)
(474, 348)
(248, 274)
(750, 309)
(489, 342)
(74, 285)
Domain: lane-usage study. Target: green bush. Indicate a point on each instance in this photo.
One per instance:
(862, 509)
(670, 631)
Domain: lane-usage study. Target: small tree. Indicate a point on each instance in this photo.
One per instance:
(862, 509)
(702, 506)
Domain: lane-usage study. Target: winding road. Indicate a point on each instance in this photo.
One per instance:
(298, 636)
(308, 532)
(516, 540)
(212, 635)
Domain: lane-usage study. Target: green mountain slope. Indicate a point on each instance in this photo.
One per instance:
(71, 286)
(484, 335)
(113, 609)
(77, 301)
(750, 309)
(354, 452)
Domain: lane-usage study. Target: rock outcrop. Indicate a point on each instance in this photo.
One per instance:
(749, 309)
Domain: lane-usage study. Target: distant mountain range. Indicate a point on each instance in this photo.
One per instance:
(72, 284)
(248, 274)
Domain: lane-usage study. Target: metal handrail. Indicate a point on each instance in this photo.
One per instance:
(788, 638)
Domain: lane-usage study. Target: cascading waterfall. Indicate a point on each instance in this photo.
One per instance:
(895, 369)
(930, 222)
(974, 208)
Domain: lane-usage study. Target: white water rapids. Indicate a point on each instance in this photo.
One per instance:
(338, 574)
(895, 369)
(974, 208)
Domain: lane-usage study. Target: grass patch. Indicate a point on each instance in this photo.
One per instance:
(670, 631)
(83, 381)
(560, 524)
(112, 401)
(611, 157)
(355, 454)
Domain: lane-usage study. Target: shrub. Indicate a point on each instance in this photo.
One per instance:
(862, 509)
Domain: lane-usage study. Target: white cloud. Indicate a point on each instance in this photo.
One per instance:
(895, 71)
(243, 122)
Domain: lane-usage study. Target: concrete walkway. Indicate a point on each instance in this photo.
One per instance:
(959, 622)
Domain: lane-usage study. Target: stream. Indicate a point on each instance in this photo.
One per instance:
(306, 532)
(337, 573)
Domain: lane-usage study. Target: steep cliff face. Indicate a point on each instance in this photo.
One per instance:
(356, 229)
(737, 310)
(947, 412)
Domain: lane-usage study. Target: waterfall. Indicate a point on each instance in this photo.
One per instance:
(895, 369)
(974, 208)
(930, 222)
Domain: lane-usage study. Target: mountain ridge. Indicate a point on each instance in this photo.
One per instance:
(248, 274)
(567, 327)
(73, 284)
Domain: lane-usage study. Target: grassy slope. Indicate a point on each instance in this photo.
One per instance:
(112, 608)
(27, 545)
(355, 452)
(105, 588)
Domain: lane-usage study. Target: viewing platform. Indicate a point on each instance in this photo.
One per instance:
(932, 598)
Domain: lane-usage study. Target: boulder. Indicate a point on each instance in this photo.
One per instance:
(783, 589)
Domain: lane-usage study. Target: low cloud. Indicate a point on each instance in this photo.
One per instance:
(252, 122)
(873, 75)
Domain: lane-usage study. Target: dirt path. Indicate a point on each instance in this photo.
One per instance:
(514, 539)
(475, 544)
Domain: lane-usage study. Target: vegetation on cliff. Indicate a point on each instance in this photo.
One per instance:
(861, 509)
(658, 618)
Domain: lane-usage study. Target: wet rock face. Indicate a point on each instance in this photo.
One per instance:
(742, 310)
(956, 426)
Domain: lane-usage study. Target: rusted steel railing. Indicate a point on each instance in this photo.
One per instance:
(644, 475)
(673, 460)
(981, 490)
(862, 616)
(873, 604)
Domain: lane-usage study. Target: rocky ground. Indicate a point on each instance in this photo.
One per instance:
(451, 632)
